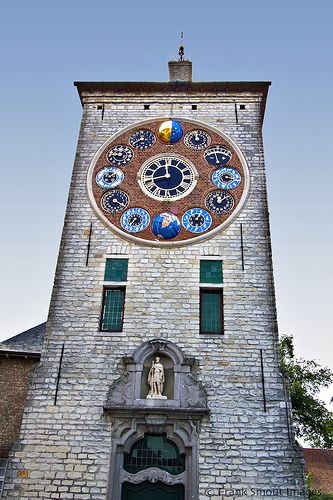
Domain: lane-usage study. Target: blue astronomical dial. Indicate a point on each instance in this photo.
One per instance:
(197, 139)
(226, 178)
(142, 139)
(219, 202)
(196, 220)
(109, 177)
(135, 220)
(120, 155)
(217, 156)
(167, 177)
(114, 201)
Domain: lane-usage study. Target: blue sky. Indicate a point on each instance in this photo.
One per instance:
(45, 46)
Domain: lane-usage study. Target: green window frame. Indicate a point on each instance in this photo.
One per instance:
(113, 305)
(211, 271)
(211, 311)
(116, 270)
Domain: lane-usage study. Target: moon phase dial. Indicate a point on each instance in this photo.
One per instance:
(217, 156)
(142, 139)
(165, 182)
(114, 201)
(197, 139)
(120, 155)
(219, 202)
(226, 178)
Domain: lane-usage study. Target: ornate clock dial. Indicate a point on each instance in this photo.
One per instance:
(197, 139)
(135, 220)
(196, 220)
(114, 201)
(142, 139)
(168, 182)
(120, 155)
(226, 178)
(217, 156)
(219, 202)
(167, 177)
(109, 177)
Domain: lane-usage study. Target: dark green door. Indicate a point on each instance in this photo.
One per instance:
(152, 491)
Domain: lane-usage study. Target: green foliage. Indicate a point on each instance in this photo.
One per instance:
(312, 420)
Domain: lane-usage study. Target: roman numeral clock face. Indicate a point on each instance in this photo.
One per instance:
(168, 182)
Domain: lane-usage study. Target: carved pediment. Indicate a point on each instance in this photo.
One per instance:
(152, 474)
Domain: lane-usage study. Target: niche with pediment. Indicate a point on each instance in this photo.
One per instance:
(181, 389)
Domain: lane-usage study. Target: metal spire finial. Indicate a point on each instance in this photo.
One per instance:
(181, 47)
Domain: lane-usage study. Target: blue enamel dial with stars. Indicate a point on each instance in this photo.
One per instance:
(114, 201)
(217, 156)
(135, 220)
(226, 178)
(196, 220)
(120, 155)
(142, 139)
(109, 177)
(197, 139)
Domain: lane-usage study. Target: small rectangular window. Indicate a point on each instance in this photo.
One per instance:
(211, 310)
(116, 270)
(194, 106)
(113, 309)
(242, 106)
(146, 106)
(211, 271)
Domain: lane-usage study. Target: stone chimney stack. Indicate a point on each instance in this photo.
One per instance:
(180, 71)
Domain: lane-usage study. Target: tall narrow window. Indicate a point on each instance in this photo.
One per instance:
(211, 297)
(114, 290)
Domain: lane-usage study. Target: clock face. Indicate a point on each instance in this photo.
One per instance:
(217, 156)
(166, 182)
(226, 178)
(197, 220)
(167, 177)
(219, 202)
(120, 155)
(142, 139)
(109, 177)
(135, 220)
(197, 139)
(114, 201)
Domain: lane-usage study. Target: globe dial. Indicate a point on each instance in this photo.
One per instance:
(197, 139)
(167, 177)
(120, 155)
(219, 202)
(217, 156)
(142, 139)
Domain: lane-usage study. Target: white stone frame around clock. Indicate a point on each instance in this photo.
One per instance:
(170, 244)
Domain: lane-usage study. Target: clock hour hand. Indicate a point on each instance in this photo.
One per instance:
(119, 203)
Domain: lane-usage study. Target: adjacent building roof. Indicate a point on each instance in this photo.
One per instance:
(319, 464)
(27, 343)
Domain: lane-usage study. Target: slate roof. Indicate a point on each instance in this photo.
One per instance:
(319, 463)
(28, 342)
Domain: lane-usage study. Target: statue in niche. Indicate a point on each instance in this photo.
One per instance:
(156, 380)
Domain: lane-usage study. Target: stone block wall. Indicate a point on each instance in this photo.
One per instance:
(64, 449)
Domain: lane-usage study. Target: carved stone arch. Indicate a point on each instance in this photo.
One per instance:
(132, 416)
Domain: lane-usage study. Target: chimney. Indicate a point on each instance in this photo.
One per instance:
(180, 71)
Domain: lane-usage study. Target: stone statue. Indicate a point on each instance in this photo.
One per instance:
(156, 380)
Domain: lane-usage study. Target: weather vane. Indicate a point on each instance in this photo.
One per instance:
(181, 47)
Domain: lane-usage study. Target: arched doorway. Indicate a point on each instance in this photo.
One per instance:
(154, 453)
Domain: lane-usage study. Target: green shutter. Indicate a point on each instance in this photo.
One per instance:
(113, 307)
(211, 312)
(211, 271)
(116, 270)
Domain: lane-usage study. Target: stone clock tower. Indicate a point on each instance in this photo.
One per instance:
(160, 377)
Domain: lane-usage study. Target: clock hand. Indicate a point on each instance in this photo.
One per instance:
(219, 199)
(165, 176)
(117, 201)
